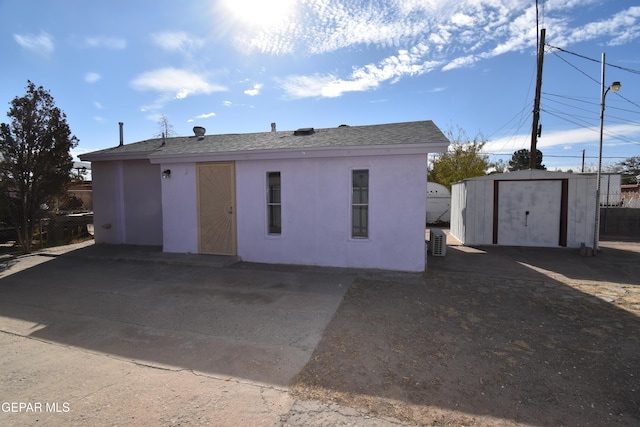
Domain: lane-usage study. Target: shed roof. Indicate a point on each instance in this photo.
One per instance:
(421, 136)
(528, 174)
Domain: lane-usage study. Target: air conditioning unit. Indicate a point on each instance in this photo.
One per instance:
(437, 242)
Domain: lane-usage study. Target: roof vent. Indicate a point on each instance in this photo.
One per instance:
(199, 130)
(304, 131)
(343, 126)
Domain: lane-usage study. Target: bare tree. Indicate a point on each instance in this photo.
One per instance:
(165, 128)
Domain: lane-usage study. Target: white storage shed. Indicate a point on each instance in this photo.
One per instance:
(525, 208)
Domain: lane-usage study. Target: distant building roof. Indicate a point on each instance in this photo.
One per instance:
(422, 136)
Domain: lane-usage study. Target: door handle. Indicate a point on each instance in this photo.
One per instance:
(230, 211)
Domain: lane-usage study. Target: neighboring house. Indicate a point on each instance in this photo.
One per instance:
(81, 192)
(525, 208)
(630, 191)
(351, 196)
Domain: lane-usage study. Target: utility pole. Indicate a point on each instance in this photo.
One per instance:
(583, 151)
(535, 130)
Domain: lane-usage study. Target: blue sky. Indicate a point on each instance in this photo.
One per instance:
(235, 66)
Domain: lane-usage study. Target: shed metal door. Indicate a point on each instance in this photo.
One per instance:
(216, 208)
(529, 213)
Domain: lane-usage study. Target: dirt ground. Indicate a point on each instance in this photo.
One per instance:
(490, 337)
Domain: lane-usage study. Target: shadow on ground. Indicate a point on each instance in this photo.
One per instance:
(493, 336)
(259, 324)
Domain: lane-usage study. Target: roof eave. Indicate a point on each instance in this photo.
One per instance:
(103, 157)
(302, 153)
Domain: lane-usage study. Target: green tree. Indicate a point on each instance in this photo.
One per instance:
(36, 162)
(629, 169)
(462, 160)
(521, 159)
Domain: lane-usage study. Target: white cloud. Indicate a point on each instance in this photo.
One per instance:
(175, 83)
(463, 61)
(462, 20)
(106, 42)
(623, 27)
(98, 105)
(202, 116)
(321, 26)
(458, 33)
(405, 63)
(41, 43)
(445, 35)
(177, 41)
(254, 91)
(227, 103)
(306, 86)
(92, 77)
(563, 138)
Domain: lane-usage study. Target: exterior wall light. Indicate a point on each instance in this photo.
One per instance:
(166, 173)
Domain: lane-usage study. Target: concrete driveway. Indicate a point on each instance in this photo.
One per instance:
(115, 335)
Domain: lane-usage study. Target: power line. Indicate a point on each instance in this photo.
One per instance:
(572, 98)
(515, 130)
(576, 121)
(630, 70)
(566, 111)
(627, 69)
(563, 156)
(569, 105)
(628, 100)
(575, 67)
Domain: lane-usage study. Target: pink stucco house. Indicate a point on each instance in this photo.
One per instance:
(350, 196)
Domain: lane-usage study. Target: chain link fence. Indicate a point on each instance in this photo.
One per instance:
(69, 221)
(620, 199)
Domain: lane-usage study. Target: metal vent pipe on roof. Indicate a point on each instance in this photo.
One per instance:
(273, 127)
(199, 130)
(121, 133)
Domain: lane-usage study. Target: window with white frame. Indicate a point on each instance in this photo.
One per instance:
(274, 203)
(360, 204)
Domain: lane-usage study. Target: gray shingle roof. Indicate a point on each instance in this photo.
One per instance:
(393, 134)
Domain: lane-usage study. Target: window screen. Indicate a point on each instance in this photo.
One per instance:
(360, 204)
(274, 206)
